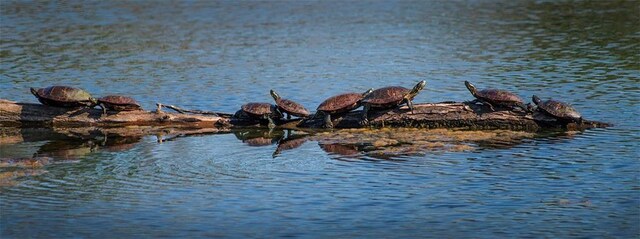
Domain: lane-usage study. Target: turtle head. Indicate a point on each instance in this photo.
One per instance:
(367, 92)
(34, 91)
(471, 87)
(94, 102)
(416, 89)
(536, 99)
(275, 95)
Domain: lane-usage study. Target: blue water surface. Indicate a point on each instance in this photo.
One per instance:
(217, 55)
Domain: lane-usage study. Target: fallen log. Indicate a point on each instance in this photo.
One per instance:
(425, 115)
(36, 115)
(454, 115)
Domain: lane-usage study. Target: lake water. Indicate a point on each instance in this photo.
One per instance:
(219, 55)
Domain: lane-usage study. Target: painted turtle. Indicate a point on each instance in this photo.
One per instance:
(557, 109)
(64, 96)
(259, 110)
(389, 97)
(340, 104)
(290, 107)
(118, 103)
(494, 97)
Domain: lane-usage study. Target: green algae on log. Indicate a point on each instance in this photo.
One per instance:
(425, 115)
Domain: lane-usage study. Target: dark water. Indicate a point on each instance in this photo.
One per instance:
(218, 55)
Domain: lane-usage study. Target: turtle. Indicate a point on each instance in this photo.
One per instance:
(557, 109)
(64, 96)
(389, 97)
(260, 110)
(495, 97)
(341, 103)
(290, 107)
(118, 103)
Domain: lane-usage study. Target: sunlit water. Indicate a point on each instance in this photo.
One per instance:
(219, 55)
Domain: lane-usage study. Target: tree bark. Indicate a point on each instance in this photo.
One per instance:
(425, 115)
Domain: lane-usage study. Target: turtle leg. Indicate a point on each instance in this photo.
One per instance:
(271, 124)
(523, 107)
(530, 108)
(488, 104)
(327, 121)
(104, 109)
(473, 101)
(410, 105)
(365, 115)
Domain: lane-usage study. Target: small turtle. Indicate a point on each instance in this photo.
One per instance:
(258, 110)
(494, 97)
(340, 104)
(290, 107)
(559, 110)
(389, 97)
(64, 96)
(118, 103)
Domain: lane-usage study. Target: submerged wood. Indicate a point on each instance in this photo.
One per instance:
(425, 115)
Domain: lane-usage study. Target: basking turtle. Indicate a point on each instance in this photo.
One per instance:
(290, 107)
(64, 96)
(559, 110)
(118, 103)
(258, 110)
(389, 97)
(494, 97)
(340, 104)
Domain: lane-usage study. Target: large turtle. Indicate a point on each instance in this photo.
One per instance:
(389, 97)
(118, 103)
(340, 104)
(494, 97)
(64, 96)
(557, 109)
(259, 110)
(290, 107)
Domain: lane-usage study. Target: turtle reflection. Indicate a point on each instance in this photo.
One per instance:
(292, 140)
(393, 144)
(347, 150)
(259, 137)
(117, 143)
(66, 149)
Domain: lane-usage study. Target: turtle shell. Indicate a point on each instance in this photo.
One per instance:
(386, 97)
(259, 109)
(559, 110)
(341, 103)
(292, 108)
(499, 96)
(119, 103)
(63, 96)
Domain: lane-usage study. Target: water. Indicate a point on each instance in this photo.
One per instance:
(219, 55)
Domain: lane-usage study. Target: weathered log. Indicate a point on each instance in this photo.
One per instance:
(425, 115)
(454, 115)
(29, 115)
